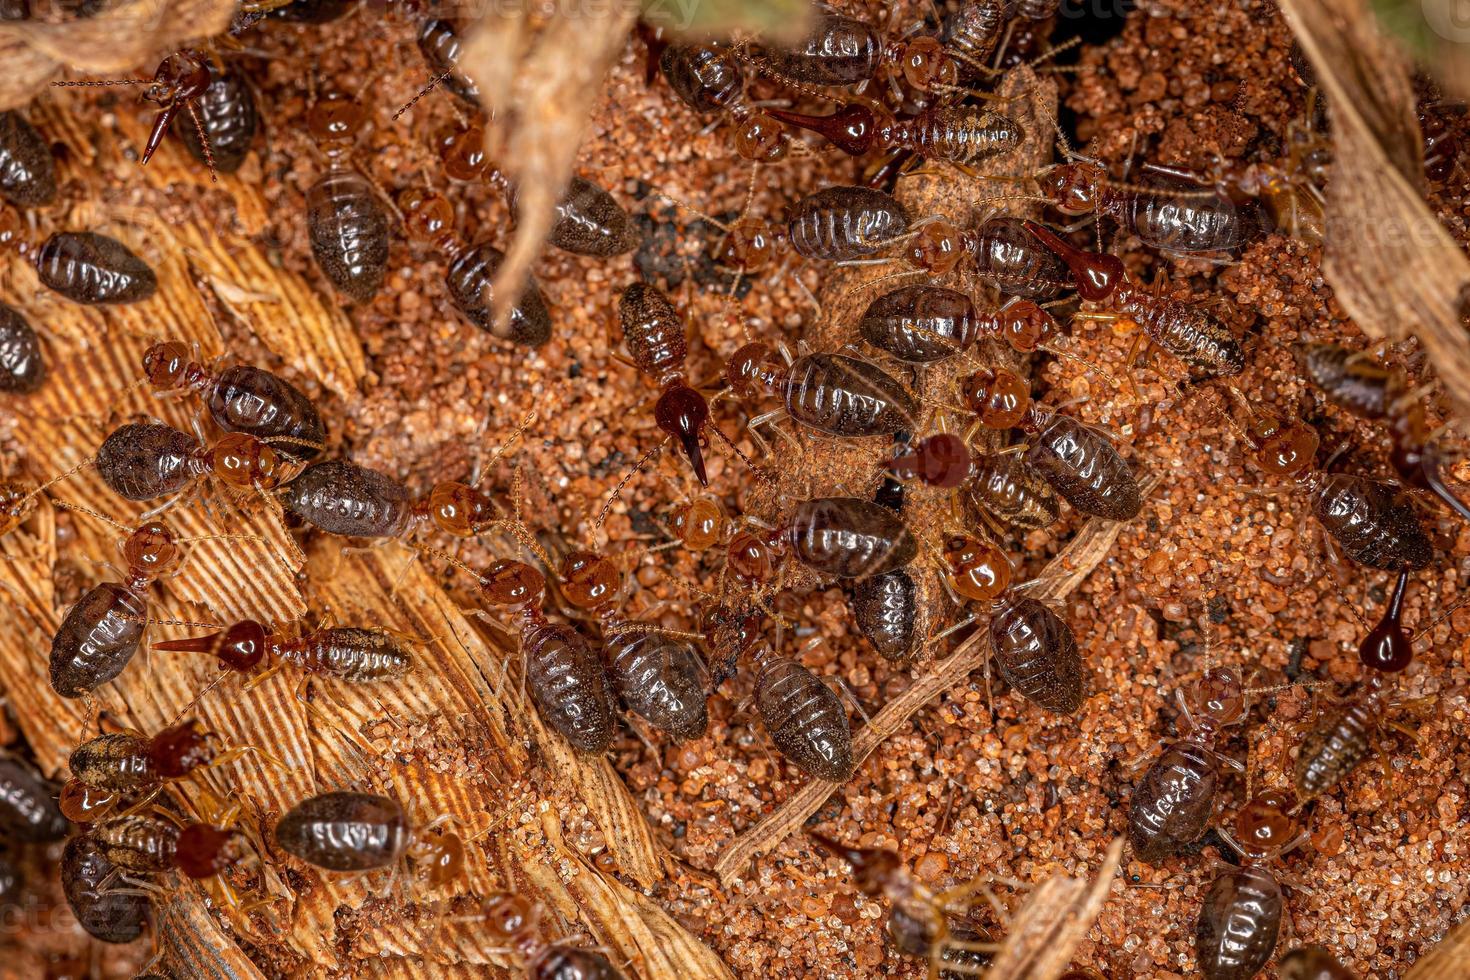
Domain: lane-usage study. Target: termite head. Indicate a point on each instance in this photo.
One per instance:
(590, 581)
(942, 460)
(1265, 826)
(182, 76)
(167, 365)
(872, 869)
(926, 65)
(458, 508)
(462, 148)
(999, 397)
(513, 583)
(204, 851)
(1075, 188)
(978, 570)
(150, 552)
(439, 859)
(427, 216)
(1024, 325)
(242, 647)
(1389, 646)
(245, 462)
(682, 412)
(937, 247)
(175, 752)
(1285, 449)
(513, 920)
(752, 368)
(752, 557)
(334, 121)
(700, 523)
(760, 139)
(748, 246)
(1219, 700)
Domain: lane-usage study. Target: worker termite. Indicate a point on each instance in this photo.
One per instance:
(345, 216)
(921, 922)
(1174, 803)
(588, 220)
(27, 169)
(429, 217)
(84, 266)
(1240, 918)
(240, 398)
(149, 460)
(180, 82)
(514, 922)
(1182, 329)
(656, 671)
(148, 843)
(104, 912)
(708, 77)
(921, 324)
(832, 393)
(22, 368)
(803, 716)
(1371, 520)
(28, 810)
(1352, 380)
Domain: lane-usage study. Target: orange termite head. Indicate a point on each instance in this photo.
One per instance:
(204, 851)
(589, 580)
(1075, 188)
(457, 508)
(978, 570)
(335, 119)
(175, 752)
(1219, 699)
(241, 647)
(166, 365)
(150, 551)
(1265, 826)
(871, 869)
(1283, 448)
(512, 583)
(181, 76)
(752, 368)
(1025, 326)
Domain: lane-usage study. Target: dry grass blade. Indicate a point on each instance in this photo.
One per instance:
(115, 40)
(544, 83)
(1055, 917)
(1392, 265)
(1063, 574)
(1446, 961)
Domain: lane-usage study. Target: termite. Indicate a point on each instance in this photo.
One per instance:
(966, 136)
(1352, 380)
(22, 367)
(919, 919)
(1240, 918)
(1175, 801)
(28, 810)
(350, 653)
(227, 121)
(27, 168)
(1372, 520)
(240, 398)
(429, 217)
(149, 460)
(105, 913)
(1182, 329)
(832, 393)
(655, 337)
(709, 78)
(658, 674)
(921, 324)
(84, 266)
(345, 217)
(514, 923)
(147, 843)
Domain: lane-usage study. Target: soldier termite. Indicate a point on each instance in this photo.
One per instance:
(27, 169)
(1353, 381)
(105, 913)
(349, 653)
(28, 810)
(1240, 918)
(1344, 736)
(181, 80)
(1175, 801)
(963, 135)
(921, 921)
(657, 672)
(22, 368)
(588, 220)
(1371, 520)
(429, 217)
(240, 398)
(655, 337)
(345, 216)
(1182, 329)
(84, 266)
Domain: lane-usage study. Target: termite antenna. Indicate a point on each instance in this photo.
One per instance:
(433, 84)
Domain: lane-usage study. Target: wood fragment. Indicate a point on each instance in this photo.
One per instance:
(1054, 919)
(1449, 960)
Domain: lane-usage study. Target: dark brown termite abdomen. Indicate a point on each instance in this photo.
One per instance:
(885, 608)
(590, 221)
(27, 169)
(920, 323)
(805, 719)
(849, 537)
(470, 279)
(844, 396)
(1083, 467)
(97, 639)
(1009, 258)
(350, 653)
(837, 51)
(1372, 520)
(439, 43)
(1335, 747)
(1238, 924)
(569, 685)
(571, 963)
(22, 368)
(138, 842)
(1007, 487)
(1036, 653)
(841, 223)
(116, 761)
(343, 498)
(89, 268)
(660, 678)
(345, 831)
(106, 915)
(28, 810)
(1173, 803)
(230, 119)
(1350, 379)
(258, 403)
(147, 460)
(348, 228)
